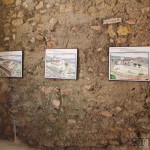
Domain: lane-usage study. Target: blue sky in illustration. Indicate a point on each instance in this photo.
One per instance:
(133, 55)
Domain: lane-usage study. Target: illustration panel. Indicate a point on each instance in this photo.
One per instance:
(129, 64)
(11, 64)
(61, 63)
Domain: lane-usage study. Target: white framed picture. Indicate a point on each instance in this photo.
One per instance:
(61, 63)
(129, 63)
(11, 64)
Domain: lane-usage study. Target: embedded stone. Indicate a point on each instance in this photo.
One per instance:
(96, 28)
(90, 69)
(121, 40)
(50, 44)
(111, 2)
(32, 40)
(144, 120)
(92, 10)
(39, 5)
(129, 148)
(148, 100)
(14, 16)
(89, 87)
(131, 21)
(118, 109)
(124, 30)
(20, 14)
(146, 127)
(62, 8)
(134, 40)
(48, 6)
(146, 10)
(39, 37)
(18, 2)
(56, 104)
(74, 28)
(111, 41)
(106, 114)
(71, 121)
(7, 2)
(103, 59)
(98, 2)
(99, 49)
(6, 25)
(25, 4)
(47, 90)
(66, 8)
(111, 32)
(53, 22)
(43, 11)
(6, 38)
(14, 37)
(66, 91)
(17, 22)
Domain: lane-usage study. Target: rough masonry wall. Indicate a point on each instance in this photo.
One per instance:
(90, 112)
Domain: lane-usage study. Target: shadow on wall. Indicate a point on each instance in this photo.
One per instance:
(6, 127)
(1, 26)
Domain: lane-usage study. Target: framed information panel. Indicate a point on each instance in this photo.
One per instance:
(129, 63)
(11, 64)
(61, 63)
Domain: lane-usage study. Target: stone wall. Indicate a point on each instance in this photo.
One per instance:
(90, 112)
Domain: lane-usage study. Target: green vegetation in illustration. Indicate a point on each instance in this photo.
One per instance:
(2, 74)
(141, 74)
(129, 66)
(112, 76)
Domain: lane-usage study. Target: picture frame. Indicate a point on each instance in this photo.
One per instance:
(129, 63)
(11, 64)
(61, 64)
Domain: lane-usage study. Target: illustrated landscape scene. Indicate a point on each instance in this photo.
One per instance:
(11, 64)
(129, 66)
(60, 65)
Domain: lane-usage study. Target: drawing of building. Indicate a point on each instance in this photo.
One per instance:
(57, 61)
(8, 66)
(125, 61)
